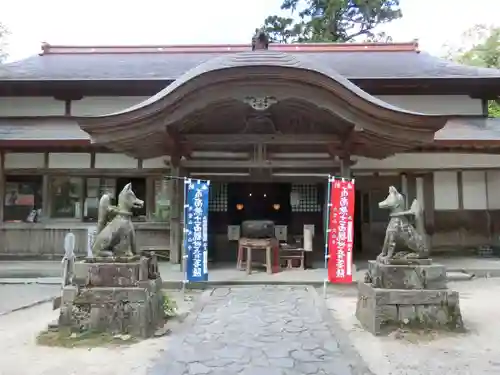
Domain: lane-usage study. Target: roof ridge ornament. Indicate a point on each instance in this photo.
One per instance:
(260, 40)
(260, 103)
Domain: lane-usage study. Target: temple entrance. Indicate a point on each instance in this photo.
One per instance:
(259, 201)
(232, 203)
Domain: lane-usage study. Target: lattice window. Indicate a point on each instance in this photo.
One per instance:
(217, 197)
(309, 201)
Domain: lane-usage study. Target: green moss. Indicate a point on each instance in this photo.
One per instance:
(455, 322)
(169, 306)
(66, 339)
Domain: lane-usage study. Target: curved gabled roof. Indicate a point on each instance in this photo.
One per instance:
(264, 73)
(262, 59)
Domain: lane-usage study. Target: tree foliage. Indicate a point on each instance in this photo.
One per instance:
(4, 32)
(479, 46)
(331, 20)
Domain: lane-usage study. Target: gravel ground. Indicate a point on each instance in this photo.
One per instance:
(475, 352)
(13, 297)
(21, 356)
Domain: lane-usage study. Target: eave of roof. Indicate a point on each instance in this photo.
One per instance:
(32, 132)
(56, 131)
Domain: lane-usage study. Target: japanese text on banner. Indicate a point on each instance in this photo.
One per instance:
(196, 236)
(340, 230)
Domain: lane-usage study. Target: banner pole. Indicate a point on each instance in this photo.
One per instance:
(327, 221)
(184, 238)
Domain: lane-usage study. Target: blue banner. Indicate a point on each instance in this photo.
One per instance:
(196, 229)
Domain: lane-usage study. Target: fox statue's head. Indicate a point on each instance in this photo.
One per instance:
(127, 199)
(394, 201)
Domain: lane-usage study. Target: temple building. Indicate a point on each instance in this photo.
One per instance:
(266, 124)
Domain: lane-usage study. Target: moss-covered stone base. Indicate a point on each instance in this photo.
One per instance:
(433, 309)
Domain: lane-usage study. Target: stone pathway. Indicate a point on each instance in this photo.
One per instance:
(266, 330)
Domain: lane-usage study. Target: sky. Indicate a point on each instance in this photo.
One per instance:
(98, 22)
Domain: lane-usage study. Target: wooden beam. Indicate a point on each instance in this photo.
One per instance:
(19, 143)
(267, 139)
(266, 164)
(178, 143)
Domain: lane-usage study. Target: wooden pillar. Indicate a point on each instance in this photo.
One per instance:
(46, 196)
(176, 201)
(404, 188)
(345, 167)
(150, 197)
(412, 188)
(2, 185)
(428, 203)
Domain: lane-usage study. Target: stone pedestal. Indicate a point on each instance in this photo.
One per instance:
(117, 296)
(420, 275)
(407, 294)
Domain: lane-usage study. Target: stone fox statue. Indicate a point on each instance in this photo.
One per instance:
(115, 231)
(400, 232)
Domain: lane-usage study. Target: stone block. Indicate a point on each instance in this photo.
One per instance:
(409, 261)
(81, 273)
(137, 311)
(111, 295)
(417, 276)
(69, 294)
(113, 274)
(378, 307)
(388, 313)
(114, 259)
(405, 314)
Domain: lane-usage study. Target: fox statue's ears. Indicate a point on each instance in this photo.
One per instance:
(128, 186)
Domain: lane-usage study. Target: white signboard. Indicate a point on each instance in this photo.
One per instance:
(309, 227)
(308, 237)
(233, 232)
(281, 232)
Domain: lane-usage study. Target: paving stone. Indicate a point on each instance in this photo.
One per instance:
(308, 368)
(198, 368)
(282, 363)
(262, 330)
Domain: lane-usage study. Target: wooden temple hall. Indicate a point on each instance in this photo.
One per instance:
(265, 123)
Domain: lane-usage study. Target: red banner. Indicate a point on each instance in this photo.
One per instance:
(340, 230)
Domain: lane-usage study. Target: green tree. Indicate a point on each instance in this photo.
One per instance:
(4, 32)
(479, 46)
(331, 20)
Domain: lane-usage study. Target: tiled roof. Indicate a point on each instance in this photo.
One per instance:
(470, 129)
(34, 130)
(353, 61)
